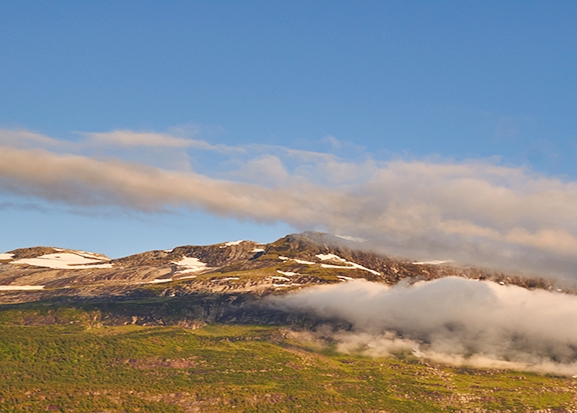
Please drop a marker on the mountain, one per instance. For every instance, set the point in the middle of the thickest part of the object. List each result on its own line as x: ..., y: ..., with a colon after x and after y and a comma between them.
x: 196, y: 329
x: 293, y: 262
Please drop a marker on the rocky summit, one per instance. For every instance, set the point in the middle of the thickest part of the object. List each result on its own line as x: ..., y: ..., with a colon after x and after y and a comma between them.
x: 293, y: 262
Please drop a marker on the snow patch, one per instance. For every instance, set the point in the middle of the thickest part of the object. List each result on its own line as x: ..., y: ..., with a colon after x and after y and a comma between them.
x: 231, y: 243
x: 190, y: 264
x: 6, y: 256
x: 350, y: 265
x: 187, y: 271
x: 92, y: 255
x: 21, y: 287
x: 343, y: 278
x: 304, y: 262
x: 287, y: 273
x: 343, y: 267
x: 258, y: 250
x: 160, y: 280
x: 280, y: 278
x: 325, y: 257
x: 66, y: 260
x: 296, y: 260
x: 226, y: 279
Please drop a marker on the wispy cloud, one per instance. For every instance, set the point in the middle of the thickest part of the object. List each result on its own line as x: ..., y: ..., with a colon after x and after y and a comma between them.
x: 130, y: 139
x: 473, y: 211
x: 22, y: 138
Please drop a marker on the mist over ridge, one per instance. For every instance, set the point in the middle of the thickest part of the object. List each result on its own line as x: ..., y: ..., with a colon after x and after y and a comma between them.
x: 454, y: 320
x: 434, y: 310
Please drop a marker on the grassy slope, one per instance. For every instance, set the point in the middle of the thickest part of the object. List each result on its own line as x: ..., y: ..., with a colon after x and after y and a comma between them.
x: 224, y: 368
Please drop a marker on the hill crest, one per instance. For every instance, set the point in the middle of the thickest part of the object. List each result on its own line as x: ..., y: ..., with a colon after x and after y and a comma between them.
x: 292, y: 262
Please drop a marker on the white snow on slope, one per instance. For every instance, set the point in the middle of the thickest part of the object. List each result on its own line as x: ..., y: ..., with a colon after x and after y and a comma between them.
x: 188, y: 271
x: 6, y: 256
x: 231, y: 243
x: 350, y: 265
x: 304, y: 262
x: 341, y: 267
x: 325, y: 257
x: 346, y: 267
x: 258, y: 250
x: 287, y: 273
x: 65, y: 260
x: 297, y: 260
x: 160, y: 280
x: 21, y: 287
x: 91, y: 255
x: 225, y: 279
x: 190, y: 264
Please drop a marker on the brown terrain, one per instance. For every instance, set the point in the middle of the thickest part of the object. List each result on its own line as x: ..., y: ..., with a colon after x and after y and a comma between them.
x: 293, y: 262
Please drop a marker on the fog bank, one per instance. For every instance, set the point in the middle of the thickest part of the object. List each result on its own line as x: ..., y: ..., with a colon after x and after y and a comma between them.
x: 452, y: 320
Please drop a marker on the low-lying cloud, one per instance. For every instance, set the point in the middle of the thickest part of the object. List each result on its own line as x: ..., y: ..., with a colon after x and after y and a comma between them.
x: 473, y: 212
x: 451, y: 320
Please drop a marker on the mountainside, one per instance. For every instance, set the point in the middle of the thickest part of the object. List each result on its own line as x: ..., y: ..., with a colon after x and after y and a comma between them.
x: 293, y: 262
x: 208, y: 329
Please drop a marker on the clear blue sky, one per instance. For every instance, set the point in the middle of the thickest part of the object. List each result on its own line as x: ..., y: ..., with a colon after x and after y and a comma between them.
x: 448, y: 82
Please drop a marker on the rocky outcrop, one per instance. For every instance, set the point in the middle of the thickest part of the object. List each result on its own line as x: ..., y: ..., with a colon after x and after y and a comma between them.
x: 292, y: 262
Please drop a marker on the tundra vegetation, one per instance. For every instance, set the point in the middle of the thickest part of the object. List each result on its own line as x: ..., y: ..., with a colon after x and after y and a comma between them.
x: 183, y: 331
x: 153, y: 355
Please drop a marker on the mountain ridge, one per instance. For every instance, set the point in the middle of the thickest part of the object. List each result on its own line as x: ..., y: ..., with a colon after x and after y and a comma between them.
x: 292, y: 262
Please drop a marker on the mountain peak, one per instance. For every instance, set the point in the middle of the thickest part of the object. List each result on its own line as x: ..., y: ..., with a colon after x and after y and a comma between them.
x: 292, y: 262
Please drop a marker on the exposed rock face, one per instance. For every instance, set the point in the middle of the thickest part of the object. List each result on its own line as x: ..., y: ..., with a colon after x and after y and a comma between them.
x: 295, y: 261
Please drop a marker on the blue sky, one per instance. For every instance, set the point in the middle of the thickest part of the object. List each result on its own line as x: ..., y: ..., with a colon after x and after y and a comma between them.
x: 328, y: 97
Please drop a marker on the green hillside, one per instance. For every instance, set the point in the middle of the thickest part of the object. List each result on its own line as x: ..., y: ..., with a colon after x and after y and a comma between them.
x: 78, y: 363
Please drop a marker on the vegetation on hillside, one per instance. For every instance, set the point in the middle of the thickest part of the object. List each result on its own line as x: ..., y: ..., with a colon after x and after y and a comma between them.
x: 75, y: 362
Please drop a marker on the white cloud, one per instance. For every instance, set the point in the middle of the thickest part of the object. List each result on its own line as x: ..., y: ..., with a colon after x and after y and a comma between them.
x: 451, y: 320
x: 473, y: 212
x: 21, y: 138
x: 128, y: 138
x: 267, y: 170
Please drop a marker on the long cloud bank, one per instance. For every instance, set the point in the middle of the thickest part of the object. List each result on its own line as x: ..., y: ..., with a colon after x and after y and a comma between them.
x: 474, y: 212
x: 450, y: 320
